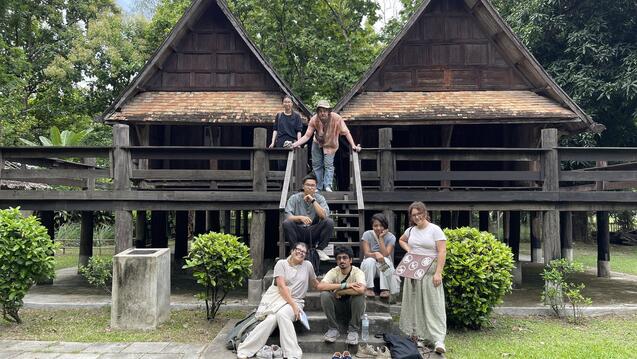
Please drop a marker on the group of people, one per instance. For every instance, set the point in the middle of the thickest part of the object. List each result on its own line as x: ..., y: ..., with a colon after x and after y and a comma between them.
x: 344, y: 288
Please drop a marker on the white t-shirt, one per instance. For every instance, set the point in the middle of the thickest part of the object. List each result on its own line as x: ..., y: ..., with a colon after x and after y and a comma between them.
x: 296, y: 277
x: 423, y: 241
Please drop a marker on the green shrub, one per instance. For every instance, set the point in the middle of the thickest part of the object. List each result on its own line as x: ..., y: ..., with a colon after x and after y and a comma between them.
x: 98, y: 272
x: 477, y: 275
x: 220, y: 263
x: 557, y: 284
x: 26, y: 256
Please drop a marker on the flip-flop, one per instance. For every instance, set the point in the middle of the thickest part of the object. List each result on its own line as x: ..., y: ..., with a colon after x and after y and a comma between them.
x: 337, y: 355
x: 384, y: 294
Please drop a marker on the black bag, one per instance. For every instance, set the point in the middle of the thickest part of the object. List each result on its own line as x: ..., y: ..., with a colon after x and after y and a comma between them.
x: 241, y: 331
x: 401, y: 347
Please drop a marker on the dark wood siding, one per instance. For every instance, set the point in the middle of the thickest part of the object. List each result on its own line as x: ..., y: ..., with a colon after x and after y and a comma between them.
x: 446, y: 50
x: 212, y: 56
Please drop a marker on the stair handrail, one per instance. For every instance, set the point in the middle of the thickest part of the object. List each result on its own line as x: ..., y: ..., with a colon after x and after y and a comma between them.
x: 286, y: 180
x: 358, y: 187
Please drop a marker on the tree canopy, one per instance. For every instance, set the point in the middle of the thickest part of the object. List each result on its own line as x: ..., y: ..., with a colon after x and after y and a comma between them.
x: 62, y: 62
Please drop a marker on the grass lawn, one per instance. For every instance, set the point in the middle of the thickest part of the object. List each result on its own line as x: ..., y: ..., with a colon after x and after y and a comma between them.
x: 70, y: 256
x: 608, y: 337
x: 622, y: 258
x: 93, y: 325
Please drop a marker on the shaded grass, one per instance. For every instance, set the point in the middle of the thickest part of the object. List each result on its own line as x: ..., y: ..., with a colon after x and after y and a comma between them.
x: 70, y: 256
x: 607, y: 337
x: 622, y: 258
x: 93, y: 325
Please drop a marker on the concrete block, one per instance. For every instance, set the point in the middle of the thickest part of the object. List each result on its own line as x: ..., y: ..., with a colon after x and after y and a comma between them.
x: 255, y: 289
x: 141, y: 288
x: 567, y: 253
x: 603, y: 269
x: 516, y: 272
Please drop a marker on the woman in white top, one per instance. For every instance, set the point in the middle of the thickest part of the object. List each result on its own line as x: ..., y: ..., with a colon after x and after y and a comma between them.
x: 423, y: 307
x: 378, y: 249
x: 292, y: 276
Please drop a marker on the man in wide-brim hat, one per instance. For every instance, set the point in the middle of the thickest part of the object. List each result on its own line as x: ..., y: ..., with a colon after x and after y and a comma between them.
x: 326, y: 126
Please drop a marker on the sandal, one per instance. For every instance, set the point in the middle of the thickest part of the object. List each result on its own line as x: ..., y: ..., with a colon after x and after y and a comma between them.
x: 337, y: 355
x: 370, y: 292
x: 384, y: 293
x: 346, y: 355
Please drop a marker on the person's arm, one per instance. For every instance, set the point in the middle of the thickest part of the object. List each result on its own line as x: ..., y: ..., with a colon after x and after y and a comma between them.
x: 352, y: 289
x: 319, y: 206
x: 308, y: 134
x: 285, y: 293
x: 289, y: 212
x: 274, y: 134
x: 323, y: 285
x: 384, y: 250
x: 298, y: 135
x: 348, y: 136
x: 441, y: 246
x: 365, y: 247
x: 402, y: 241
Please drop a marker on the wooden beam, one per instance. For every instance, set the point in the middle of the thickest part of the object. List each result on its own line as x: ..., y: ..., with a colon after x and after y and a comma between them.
x: 259, y: 160
x: 497, y: 176
x: 550, y: 219
x: 86, y: 238
x: 158, y: 229
x: 181, y: 236
x: 386, y: 164
x: 257, y: 243
x: 566, y: 234
x: 514, y: 234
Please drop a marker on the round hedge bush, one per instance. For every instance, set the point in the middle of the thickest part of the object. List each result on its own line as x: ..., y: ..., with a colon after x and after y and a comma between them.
x: 477, y: 275
x: 26, y: 256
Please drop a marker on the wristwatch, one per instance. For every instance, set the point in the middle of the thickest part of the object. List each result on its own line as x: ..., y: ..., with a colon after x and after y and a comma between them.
x: 313, y: 200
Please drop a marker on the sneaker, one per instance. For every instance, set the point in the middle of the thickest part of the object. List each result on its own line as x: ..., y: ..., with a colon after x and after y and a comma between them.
x: 328, y: 189
x: 366, y: 351
x: 346, y: 355
x: 331, y: 335
x: 277, y: 352
x: 265, y: 352
x: 440, y: 348
x: 383, y: 353
x: 352, y: 338
x: 322, y: 255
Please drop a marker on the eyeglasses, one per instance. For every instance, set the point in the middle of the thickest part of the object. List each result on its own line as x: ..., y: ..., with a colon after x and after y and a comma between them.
x: 419, y: 214
x: 300, y: 251
x: 342, y: 258
x: 310, y: 185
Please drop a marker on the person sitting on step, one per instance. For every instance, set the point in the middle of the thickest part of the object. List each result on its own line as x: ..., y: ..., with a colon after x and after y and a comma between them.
x: 308, y: 218
x: 292, y: 277
x: 378, y: 248
x: 342, y: 297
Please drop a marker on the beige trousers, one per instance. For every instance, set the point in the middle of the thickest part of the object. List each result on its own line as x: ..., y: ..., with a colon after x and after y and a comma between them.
x: 258, y: 337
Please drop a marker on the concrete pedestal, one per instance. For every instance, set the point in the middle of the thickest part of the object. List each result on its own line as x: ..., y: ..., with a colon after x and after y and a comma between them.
x: 141, y: 288
x: 255, y: 289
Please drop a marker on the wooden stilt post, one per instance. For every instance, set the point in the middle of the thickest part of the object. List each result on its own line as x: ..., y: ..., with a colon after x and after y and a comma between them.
x: 445, y: 219
x: 121, y: 179
x: 551, y: 219
x: 212, y: 221
x: 86, y: 237
x: 464, y: 218
x: 514, y: 243
x: 387, y: 170
x: 159, y: 229
x: 257, y: 227
x: 200, y: 222
x: 603, y: 245
x: 237, y: 223
x: 484, y: 221
x: 225, y: 223
x: 535, y: 224
x: 566, y: 234
x: 141, y: 229
x: 181, y: 236
x: 47, y: 218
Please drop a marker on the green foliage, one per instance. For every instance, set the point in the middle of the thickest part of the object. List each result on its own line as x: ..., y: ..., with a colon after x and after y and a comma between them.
x: 321, y: 48
x: 557, y: 284
x: 98, y: 272
x: 26, y: 255
x: 65, y: 138
x: 220, y: 263
x: 477, y: 275
x: 590, y: 49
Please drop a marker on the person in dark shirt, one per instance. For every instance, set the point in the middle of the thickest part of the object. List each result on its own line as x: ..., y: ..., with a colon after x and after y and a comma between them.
x: 287, y: 125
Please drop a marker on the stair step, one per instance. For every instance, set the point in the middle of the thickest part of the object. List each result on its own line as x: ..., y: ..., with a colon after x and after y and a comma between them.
x: 344, y: 215
x: 378, y: 322
x: 314, y: 343
x: 374, y: 305
x: 346, y: 229
x: 347, y: 244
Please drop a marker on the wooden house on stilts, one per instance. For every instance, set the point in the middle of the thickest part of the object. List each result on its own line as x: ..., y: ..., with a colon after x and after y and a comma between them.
x: 455, y: 112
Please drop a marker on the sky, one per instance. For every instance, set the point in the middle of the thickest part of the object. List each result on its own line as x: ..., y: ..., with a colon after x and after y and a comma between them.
x: 388, y: 9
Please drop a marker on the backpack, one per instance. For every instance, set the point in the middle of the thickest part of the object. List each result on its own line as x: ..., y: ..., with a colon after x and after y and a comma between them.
x: 401, y: 347
x: 314, y: 258
x: 241, y: 331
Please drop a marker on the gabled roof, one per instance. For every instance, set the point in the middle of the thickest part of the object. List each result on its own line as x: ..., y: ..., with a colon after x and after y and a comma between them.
x: 506, y: 42
x: 192, y: 14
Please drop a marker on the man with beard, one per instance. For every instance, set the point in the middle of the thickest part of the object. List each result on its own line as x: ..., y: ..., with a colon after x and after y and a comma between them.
x: 342, y: 297
x: 326, y: 126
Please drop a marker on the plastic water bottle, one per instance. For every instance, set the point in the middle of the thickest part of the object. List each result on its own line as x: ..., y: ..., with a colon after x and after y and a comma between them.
x: 365, y: 328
